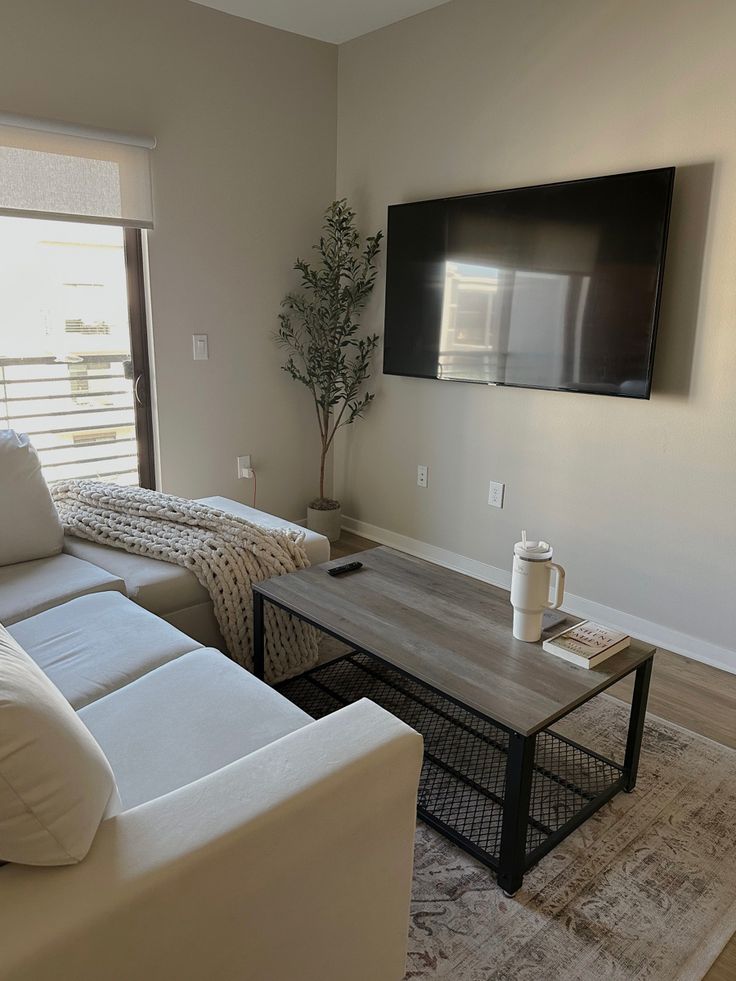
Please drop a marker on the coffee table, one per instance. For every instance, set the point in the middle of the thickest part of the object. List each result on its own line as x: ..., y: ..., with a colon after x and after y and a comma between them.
x: 435, y: 648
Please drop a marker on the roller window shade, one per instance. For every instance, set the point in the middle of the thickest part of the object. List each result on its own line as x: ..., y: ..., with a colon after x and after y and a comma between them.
x: 53, y: 170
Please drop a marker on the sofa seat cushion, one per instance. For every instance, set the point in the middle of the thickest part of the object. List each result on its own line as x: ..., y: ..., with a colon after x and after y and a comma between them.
x: 316, y: 546
x: 96, y: 644
x: 184, y: 720
x: 29, y: 525
x: 28, y: 588
x: 55, y: 783
x: 165, y: 588
x: 158, y: 586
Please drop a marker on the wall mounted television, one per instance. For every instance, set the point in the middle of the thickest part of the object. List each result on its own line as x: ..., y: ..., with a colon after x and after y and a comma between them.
x: 555, y: 287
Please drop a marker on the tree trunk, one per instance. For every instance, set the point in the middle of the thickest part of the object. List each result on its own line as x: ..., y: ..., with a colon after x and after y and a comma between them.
x: 323, y: 457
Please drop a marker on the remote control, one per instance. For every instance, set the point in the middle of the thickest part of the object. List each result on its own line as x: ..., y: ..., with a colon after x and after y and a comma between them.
x: 338, y: 570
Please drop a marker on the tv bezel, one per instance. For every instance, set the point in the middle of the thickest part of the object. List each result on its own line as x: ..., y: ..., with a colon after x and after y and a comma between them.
x: 534, y: 187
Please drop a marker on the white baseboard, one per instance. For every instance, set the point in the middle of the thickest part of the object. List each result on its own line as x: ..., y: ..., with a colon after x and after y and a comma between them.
x: 651, y: 633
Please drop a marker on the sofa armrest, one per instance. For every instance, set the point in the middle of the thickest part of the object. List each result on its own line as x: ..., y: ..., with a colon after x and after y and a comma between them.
x: 291, y: 863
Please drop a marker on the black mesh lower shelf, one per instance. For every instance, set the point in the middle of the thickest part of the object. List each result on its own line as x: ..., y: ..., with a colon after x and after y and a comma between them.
x: 463, y: 777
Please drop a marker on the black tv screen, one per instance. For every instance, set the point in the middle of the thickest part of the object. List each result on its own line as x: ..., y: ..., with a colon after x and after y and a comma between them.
x: 553, y: 287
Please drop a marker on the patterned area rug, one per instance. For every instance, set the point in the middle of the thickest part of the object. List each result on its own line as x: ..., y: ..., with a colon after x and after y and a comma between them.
x: 646, y: 889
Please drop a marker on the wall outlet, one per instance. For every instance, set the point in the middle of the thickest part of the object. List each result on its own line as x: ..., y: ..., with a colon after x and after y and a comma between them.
x: 495, y: 494
x: 244, y: 467
x: 422, y: 475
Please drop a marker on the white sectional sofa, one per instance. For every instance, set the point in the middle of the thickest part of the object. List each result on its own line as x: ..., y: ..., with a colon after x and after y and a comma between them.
x: 173, y: 592
x: 168, y: 590
x: 241, y: 839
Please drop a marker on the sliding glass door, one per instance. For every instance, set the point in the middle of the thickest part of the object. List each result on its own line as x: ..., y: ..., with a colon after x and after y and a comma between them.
x: 74, y: 371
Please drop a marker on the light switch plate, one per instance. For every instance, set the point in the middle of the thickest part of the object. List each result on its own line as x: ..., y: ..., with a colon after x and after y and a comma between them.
x: 422, y: 475
x: 200, y: 347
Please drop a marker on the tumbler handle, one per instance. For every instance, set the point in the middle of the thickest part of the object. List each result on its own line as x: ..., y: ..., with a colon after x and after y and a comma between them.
x: 559, y: 587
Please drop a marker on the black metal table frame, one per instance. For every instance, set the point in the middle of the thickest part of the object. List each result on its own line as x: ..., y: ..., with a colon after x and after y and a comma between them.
x: 513, y: 860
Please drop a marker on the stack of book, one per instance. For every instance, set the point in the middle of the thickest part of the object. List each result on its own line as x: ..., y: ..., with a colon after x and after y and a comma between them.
x: 587, y: 644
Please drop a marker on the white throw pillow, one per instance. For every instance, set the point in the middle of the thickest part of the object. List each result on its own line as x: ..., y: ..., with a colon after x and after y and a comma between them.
x: 55, y: 781
x: 29, y: 525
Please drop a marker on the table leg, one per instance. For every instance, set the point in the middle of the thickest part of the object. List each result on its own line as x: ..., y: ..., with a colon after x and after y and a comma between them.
x: 636, y: 723
x: 258, y: 636
x: 512, y: 858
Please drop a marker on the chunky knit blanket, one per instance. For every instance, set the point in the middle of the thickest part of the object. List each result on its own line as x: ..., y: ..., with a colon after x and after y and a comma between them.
x: 227, y: 554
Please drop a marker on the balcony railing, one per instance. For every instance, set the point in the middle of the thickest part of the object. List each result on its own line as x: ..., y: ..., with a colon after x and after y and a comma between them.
x: 78, y: 413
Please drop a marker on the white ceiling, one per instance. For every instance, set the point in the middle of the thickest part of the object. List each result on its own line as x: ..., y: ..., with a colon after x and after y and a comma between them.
x: 327, y: 20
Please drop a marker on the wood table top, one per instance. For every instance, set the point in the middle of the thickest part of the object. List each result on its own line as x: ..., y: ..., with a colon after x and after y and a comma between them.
x: 450, y: 631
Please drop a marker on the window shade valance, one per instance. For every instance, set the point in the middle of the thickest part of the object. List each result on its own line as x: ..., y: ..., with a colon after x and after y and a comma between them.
x: 55, y: 170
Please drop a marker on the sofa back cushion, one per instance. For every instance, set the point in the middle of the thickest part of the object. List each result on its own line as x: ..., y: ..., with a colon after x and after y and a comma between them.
x: 55, y: 781
x: 29, y: 525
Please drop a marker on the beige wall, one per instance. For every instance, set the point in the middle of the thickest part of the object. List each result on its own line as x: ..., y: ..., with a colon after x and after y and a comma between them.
x: 639, y: 498
x: 245, y: 120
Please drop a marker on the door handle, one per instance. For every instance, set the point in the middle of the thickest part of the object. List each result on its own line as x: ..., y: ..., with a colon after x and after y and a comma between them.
x: 139, y: 381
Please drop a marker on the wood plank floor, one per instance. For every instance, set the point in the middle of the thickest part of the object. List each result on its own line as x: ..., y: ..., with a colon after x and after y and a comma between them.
x: 690, y: 694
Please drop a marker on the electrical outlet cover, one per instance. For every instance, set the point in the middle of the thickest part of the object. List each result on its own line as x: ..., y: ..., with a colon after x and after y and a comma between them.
x: 495, y: 494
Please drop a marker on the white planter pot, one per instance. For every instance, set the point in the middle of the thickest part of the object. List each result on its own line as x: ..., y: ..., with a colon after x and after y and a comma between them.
x: 327, y: 523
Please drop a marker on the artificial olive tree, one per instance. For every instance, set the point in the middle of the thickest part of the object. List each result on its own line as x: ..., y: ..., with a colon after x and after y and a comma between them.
x: 319, y: 328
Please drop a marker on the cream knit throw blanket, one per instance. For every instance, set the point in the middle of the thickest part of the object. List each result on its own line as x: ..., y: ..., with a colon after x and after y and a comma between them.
x: 226, y: 554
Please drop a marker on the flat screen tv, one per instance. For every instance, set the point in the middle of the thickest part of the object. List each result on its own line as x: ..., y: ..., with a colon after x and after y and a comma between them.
x: 555, y: 287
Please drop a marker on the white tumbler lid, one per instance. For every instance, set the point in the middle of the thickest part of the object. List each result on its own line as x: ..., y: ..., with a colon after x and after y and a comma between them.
x: 533, y: 551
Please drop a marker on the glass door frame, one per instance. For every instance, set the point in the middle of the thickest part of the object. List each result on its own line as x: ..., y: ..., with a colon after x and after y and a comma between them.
x: 140, y: 357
